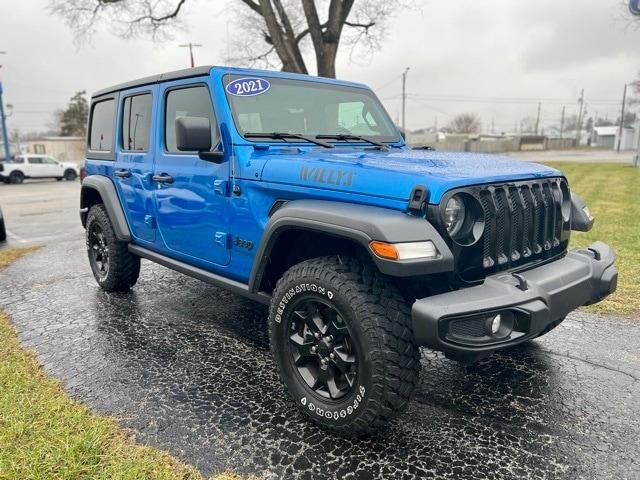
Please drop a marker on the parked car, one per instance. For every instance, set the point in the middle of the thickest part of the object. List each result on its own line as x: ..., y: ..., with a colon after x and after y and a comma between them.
x: 37, y: 166
x: 299, y: 192
x: 3, y: 229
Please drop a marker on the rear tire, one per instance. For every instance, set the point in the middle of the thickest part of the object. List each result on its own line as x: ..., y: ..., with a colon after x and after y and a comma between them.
x: 16, y: 178
x: 70, y: 175
x: 3, y: 230
x: 113, y: 266
x: 361, y: 327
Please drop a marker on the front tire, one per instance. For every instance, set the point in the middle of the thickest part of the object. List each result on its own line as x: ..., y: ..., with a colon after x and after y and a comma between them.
x: 3, y: 230
x: 113, y: 266
x: 342, y: 339
x: 16, y: 178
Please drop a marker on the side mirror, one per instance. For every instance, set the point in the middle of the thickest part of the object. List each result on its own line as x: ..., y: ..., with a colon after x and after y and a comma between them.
x: 194, y: 134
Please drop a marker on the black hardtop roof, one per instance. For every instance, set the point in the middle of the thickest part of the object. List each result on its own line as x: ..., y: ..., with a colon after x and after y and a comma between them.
x: 175, y: 75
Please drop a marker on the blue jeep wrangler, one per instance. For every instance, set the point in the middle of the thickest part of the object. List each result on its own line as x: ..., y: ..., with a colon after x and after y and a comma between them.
x: 300, y: 193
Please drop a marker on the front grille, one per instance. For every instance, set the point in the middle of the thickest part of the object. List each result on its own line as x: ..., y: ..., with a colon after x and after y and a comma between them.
x: 523, y: 223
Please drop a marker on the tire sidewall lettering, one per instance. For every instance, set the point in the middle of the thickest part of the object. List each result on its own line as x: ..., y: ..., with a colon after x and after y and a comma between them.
x: 298, y: 289
x: 353, y: 404
x: 338, y: 413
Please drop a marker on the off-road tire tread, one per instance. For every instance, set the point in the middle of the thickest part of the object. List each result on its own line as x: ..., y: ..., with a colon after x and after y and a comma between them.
x: 386, y: 320
x: 124, y: 267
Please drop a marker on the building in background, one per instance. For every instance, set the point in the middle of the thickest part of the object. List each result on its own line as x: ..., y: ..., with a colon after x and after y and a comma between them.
x: 604, y: 137
x: 67, y: 149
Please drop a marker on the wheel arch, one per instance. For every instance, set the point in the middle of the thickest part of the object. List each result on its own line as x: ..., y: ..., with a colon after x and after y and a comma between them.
x: 100, y: 189
x: 304, y: 229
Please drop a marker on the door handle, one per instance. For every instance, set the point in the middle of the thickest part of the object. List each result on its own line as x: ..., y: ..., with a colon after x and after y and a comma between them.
x: 164, y: 178
x: 124, y: 173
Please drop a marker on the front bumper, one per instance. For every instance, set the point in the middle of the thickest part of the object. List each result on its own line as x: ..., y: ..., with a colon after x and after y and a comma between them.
x: 529, y: 302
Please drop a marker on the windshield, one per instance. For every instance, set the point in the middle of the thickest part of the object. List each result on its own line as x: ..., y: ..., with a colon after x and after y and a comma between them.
x: 267, y: 104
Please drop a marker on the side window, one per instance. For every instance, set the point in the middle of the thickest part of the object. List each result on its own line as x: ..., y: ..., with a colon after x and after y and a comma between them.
x: 35, y: 160
x: 18, y: 160
x: 49, y: 161
x: 136, y: 122
x: 101, y: 135
x: 187, y: 102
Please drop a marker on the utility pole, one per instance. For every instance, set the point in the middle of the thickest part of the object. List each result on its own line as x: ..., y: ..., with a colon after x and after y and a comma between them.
x: 538, y: 117
x: 191, y: 46
x: 624, y: 101
x: 404, y: 98
x: 3, y: 124
x: 562, y: 122
x: 579, y: 126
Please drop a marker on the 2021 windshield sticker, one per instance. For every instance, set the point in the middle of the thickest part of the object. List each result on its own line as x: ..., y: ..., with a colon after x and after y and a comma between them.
x: 248, y: 86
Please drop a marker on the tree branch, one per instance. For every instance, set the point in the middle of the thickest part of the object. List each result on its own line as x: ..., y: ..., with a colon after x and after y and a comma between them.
x: 253, y: 6
x: 151, y: 17
x: 366, y: 26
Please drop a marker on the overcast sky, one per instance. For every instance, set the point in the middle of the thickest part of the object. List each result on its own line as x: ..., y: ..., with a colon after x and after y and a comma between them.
x: 492, y: 57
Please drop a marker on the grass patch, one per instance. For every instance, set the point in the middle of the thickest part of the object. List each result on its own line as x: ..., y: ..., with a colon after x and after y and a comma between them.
x: 44, y: 434
x: 612, y: 192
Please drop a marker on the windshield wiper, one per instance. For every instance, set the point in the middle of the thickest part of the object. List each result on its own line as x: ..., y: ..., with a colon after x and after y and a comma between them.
x: 346, y: 136
x: 285, y: 135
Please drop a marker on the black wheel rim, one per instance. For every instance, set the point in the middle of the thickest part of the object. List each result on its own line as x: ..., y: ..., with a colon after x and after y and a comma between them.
x: 321, y: 349
x: 99, y: 250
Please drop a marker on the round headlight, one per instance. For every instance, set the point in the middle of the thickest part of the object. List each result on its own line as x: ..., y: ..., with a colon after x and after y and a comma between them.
x: 454, y: 213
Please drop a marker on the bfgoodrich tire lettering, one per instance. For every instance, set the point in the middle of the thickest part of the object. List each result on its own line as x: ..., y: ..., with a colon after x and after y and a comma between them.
x: 379, y: 325
x: 113, y: 266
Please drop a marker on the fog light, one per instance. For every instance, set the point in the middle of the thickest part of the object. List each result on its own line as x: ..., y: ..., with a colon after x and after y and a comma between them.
x: 495, y: 324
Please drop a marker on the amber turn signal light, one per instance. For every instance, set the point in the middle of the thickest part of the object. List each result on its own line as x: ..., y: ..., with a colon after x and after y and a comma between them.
x: 385, y: 250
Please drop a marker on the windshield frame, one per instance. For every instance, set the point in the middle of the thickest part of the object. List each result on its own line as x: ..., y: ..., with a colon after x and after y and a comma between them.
x: 228, y: 77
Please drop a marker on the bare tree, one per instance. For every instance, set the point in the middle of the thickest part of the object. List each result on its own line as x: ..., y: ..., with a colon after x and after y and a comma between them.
x: 284, y: 30
x: 465, y: 123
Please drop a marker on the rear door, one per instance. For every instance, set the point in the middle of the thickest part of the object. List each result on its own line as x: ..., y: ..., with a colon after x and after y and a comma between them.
x: 133, y: 167
x: 34, y: 167
x: 191, y: 193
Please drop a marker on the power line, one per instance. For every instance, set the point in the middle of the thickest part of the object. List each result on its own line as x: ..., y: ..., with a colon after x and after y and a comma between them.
x: 493, y: 99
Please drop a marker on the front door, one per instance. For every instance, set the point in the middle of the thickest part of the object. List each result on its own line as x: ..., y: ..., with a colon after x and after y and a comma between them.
x: 133, y: 168
x: 51, y: 167
x: 191, y: 193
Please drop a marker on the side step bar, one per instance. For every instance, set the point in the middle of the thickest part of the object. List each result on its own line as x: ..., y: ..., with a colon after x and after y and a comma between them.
x: 200, y: 274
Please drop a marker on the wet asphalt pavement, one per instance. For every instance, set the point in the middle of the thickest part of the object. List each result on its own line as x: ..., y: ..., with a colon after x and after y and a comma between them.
x: 187, y: 366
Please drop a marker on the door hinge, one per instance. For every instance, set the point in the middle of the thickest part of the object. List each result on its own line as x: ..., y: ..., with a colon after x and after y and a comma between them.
x: 222, y: 240
x: 221, y: 187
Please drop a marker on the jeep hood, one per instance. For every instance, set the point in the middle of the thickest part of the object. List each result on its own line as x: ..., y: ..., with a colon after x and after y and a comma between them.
x: 393, y: 174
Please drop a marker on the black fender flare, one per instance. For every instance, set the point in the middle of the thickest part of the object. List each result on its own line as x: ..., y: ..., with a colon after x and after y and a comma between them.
x: 107, y: 191
x: 359, y: 223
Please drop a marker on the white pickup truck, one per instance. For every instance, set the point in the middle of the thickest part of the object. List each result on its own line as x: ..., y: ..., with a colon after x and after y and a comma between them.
x: 37, y: 166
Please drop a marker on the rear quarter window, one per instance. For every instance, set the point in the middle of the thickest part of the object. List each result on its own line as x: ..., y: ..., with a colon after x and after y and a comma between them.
x: 101, y: 126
